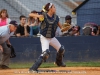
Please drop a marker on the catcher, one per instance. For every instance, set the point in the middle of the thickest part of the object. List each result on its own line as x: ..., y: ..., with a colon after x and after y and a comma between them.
x: 49, y: 23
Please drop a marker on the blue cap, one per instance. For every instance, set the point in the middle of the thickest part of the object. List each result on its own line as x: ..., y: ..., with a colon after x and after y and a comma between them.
x: 13, y: 22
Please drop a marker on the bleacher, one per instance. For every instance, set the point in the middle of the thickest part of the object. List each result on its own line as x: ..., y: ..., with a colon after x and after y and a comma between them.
x: 37, y: 5
x: 13, y: 13
x: 18, y: 7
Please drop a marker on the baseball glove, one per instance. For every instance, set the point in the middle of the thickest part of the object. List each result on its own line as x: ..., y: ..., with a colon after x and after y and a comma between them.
x: 13, y: 54
x: 65, y: 27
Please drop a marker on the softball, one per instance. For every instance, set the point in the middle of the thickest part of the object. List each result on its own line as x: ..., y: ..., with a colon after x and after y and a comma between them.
x: 41, y: 19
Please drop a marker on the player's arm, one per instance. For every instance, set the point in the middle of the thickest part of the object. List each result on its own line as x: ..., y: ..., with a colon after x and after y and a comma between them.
x: 36, y: 15
x: 59, y: 24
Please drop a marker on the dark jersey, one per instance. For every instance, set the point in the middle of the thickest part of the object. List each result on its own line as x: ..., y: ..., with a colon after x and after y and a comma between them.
x: 49, y: 25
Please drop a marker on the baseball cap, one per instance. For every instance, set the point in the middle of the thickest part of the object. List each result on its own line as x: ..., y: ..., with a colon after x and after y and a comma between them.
x: 68, y: 17
x: 13, y: 22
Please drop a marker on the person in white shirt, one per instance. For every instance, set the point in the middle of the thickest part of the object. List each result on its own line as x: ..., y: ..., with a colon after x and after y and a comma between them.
x: 68, y: 19
x: 5, y: 33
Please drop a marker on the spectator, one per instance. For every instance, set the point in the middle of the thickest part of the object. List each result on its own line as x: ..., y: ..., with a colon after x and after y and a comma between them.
x: 4, y: 18
x: 23, y: 29
x: 34, y: 25
x: 5, y: 33
x: 90, y: 29
x: 68, y: 19
x: 74, y: 30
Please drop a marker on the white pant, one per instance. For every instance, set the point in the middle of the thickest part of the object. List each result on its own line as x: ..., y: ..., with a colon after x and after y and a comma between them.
x: 52, y: 41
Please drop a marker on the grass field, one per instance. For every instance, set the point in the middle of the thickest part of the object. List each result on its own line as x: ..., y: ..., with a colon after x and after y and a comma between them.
x: 75, y: 68
x: 49, y: 65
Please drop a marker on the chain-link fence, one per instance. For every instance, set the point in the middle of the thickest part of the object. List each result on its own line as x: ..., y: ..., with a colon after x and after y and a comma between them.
x: 16, y: 8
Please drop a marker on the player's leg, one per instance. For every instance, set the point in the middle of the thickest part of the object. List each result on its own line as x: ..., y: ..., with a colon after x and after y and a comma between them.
x: 45, y: 54
x: 60, y: 52
x: 6, y: 56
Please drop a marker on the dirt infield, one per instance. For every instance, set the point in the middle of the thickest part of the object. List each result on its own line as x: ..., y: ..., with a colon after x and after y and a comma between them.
x: 71, y: 71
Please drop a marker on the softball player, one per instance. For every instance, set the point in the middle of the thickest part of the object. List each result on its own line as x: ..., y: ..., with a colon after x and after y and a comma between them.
x: 49, y: 23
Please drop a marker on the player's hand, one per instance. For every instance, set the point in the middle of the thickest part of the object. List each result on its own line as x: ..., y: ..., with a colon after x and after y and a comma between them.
x: 1, y: 48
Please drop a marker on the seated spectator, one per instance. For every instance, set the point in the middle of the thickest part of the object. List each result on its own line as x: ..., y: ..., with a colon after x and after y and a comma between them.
x: 4, y: 18
x: 90, y: 29
x: 74, y: 31
x: 23, y: 29
x: 68, y: 19
x: 33, y: 24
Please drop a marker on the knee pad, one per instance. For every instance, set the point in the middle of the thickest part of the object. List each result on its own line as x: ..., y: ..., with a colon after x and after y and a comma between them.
x: 61, y: 50
x: 46, y: 54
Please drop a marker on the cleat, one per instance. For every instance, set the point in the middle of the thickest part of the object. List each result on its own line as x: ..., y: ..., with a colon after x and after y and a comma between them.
x: 33, y: 71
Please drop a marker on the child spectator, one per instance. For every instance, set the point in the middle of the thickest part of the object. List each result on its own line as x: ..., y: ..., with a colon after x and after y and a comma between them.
x: 23, y: 29
x: 4, y: 18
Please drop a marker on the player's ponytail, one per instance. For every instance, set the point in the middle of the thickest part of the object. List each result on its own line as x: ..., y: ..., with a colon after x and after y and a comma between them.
x: 47, y: 7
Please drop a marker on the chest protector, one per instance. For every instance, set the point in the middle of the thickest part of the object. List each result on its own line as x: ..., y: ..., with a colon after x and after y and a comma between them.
x: 48, y: 27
